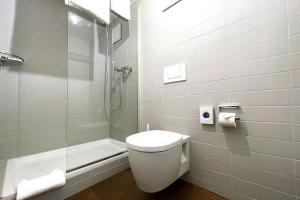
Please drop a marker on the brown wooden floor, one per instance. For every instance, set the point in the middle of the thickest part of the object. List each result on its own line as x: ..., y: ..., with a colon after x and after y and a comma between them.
x: 123, y: 187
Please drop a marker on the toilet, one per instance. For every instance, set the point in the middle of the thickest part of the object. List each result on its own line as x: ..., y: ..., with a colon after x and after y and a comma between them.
x: 158, y: 158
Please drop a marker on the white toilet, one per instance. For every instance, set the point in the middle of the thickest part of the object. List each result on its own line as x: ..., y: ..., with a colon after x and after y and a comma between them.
x: 157, y: 158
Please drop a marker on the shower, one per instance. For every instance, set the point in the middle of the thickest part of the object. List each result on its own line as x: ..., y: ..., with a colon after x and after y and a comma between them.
x: 70, y: 113
x: 116, y: 83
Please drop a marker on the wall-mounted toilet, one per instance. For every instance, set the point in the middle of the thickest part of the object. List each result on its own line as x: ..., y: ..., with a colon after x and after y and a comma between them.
x: 157, y: 158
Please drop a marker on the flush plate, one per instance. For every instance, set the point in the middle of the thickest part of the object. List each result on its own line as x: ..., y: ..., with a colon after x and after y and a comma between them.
x: 175, y: 73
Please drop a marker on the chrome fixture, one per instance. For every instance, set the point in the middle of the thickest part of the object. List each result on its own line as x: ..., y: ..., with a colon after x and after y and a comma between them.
x: 124, y: 69
x: 229, y: 106
x: 10, y: 59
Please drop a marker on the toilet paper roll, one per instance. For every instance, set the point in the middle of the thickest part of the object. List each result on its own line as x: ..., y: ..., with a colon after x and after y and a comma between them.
x: 227, y: 119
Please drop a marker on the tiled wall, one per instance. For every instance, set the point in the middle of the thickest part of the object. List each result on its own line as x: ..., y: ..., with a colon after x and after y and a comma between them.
x: 86, y: 119
x: 124, y: 121
x: 244, y: 51
x: 33, y: 96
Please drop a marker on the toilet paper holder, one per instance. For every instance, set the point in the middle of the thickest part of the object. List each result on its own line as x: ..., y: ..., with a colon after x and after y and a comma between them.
x: 229, y: 106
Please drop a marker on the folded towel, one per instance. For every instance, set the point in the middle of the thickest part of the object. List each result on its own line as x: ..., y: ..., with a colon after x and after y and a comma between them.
x: 121, y: 7
x: 98, y: 8
x: 30, y: 188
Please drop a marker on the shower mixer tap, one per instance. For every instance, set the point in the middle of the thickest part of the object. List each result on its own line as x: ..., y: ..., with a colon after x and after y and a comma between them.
x: 124, y: 69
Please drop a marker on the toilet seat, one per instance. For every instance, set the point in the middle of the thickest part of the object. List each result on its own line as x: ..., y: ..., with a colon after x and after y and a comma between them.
x: 153, y: 141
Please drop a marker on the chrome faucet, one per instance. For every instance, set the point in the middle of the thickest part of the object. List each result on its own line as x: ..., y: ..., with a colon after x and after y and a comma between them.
x: 124, y: 69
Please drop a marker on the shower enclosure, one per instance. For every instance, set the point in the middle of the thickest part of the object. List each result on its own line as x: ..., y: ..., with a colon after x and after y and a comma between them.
x: 73, y: 101
x: 102, y: 88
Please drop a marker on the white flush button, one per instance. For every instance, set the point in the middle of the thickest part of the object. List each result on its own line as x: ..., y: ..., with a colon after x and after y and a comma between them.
x: 174, y: 73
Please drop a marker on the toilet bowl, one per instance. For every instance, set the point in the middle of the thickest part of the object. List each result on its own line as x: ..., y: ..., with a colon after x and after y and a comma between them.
x: 158, y: 158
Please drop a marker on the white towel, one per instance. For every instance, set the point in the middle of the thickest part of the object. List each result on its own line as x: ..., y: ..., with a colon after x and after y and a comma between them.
x: 121, y: 7
x: 30, y: 188
x: 99, y: 8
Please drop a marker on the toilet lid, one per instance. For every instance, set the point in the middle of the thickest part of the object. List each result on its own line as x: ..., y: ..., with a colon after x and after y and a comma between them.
x: 153, y: 141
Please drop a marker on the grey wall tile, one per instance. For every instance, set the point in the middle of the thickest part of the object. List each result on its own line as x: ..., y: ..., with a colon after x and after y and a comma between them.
x: 294, y: 25
x: 210, y: 163
x: 262, y: 19
x: 254, y: 63
x: 262, y: 98
x: 262, y: 129
x: 211, y: 176
x: 265, y: 66
x: 297, y: 164
x: 261, y: 145
x: 296, y: 131
x: 265, y: 178
x: 213, y: 87
x: 260, y: 51
x: 210, y: 138
x: 273, y: 114
x: 240, y: 10
x: 295, y: 97
x: 225, y: 192
x: 293, y: 8
x: 263, y: 161
x: 257, y: 191
x: 209, y: 75
x: 267, y: 33
x: 297, y: 150
x: 296, y: 115
x: 260, y: 82
x: 171, y: 91
x: 294, y: 43
x: 210, y: 150
x: 219, y: 60
x: 295, y: 78
x: 295, y: 60
x: 298, y: 187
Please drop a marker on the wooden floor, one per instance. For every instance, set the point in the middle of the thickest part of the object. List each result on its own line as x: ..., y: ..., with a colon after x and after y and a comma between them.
x: 123, y: 187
